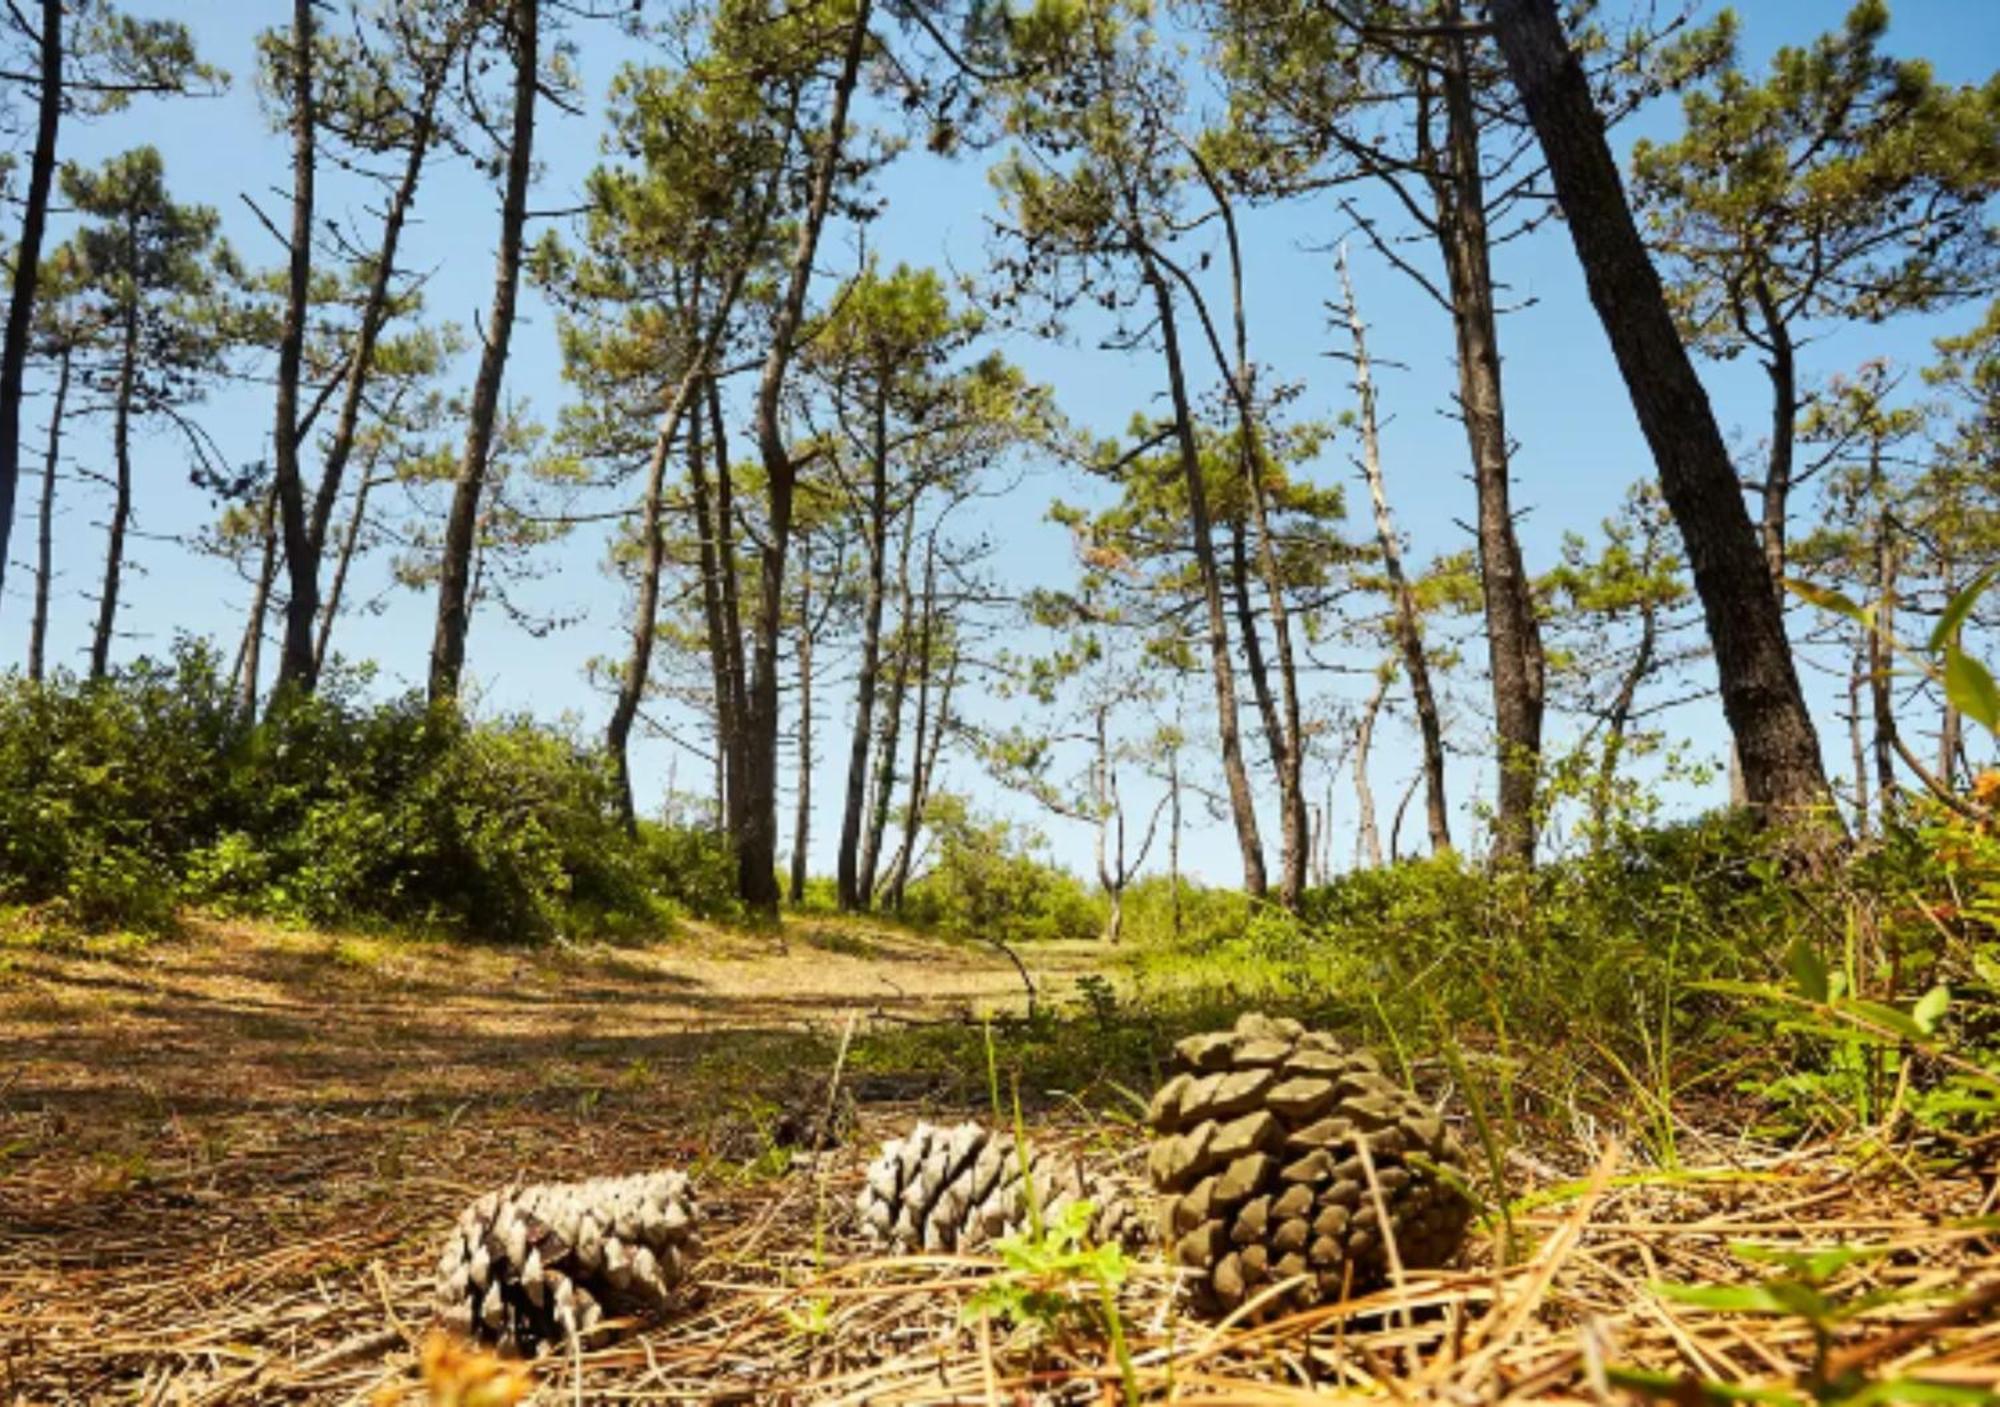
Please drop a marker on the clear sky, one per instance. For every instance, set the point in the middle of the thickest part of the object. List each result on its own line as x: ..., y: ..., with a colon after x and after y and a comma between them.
x: 1578, y: 446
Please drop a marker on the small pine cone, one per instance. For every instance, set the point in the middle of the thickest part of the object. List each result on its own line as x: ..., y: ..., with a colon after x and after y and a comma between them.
x: 954, y: 1189
x: 532, y: 1266
x: 1257, y: 1148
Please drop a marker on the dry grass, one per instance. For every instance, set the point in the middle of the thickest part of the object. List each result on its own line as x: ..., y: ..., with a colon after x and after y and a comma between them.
x: 225, y: 1165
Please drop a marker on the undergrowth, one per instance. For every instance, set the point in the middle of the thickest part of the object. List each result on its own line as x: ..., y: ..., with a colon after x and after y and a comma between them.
x: 124, y: 800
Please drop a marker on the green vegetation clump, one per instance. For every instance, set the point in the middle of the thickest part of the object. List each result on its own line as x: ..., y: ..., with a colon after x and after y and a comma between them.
x: 123, y: 799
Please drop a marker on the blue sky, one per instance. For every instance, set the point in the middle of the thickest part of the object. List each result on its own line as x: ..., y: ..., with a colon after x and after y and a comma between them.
x: 1578, y: 445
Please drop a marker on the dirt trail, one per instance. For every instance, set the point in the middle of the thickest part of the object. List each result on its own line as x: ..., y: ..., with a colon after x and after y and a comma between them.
x: 202, y: 1140
x: 264, y: 1015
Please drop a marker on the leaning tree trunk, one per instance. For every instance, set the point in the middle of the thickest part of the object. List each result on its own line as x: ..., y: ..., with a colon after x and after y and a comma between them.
x: 1761, y: 696
x: 454, y: 612
x: 301, y: 564
x: 1512, y: 632
x: 1409, y: 631
x: 121, y: 503
x: 38, y: 627
x: 28, y: 266
x: 756, y: 832
x: 1222, y: 671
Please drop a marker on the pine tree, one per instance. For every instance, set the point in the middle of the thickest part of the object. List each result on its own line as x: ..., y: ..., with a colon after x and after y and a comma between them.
x: 1847, y: 185
x: 157, y: 276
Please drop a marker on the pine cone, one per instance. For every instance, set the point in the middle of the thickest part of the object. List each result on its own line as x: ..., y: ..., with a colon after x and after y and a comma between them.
x: 531, y: 1266
x: 1257, y: 1146
x: 939, y: 1189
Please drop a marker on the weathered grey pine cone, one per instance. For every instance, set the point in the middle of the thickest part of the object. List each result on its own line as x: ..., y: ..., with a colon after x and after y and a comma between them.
x: 1257, y: 1150
x: 533, y: 1266
x: 954, y: 1189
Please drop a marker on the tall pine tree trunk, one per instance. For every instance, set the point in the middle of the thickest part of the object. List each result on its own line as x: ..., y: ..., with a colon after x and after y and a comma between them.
x: 686, y: 398
x: 1512, y: 633
x: 304, y: 616
x: 1775, y: 496
x: 756, y: 831
x: 1367, y: 831
x: 121, y: 503
x: 1408, y: 627
x: 27, y: 254
x: 45, y: 567
x: 802, y: 813
x: 867, y: 670
x: 301, y: 565
x: 250, y: 656
x: 884, y: 785
x: 350, y: 541
x: 455, y: 592
x: 1881, y: 664
x: 1222, y: 671
x: 1766, y: 708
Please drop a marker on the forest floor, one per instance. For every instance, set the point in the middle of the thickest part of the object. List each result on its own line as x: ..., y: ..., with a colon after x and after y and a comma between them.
x: 227, y: 1159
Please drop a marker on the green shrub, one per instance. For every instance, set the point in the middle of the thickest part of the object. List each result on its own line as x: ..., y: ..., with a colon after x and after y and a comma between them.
x: 121, y: 798
x: 990, y: 879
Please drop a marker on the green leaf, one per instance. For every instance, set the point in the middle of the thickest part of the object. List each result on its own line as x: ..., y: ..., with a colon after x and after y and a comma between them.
x: 1958, y: 608
x: 1970, y: 687
x: 1808, y: 970
x: 1827, y: 599
x: 1931, y: 1007
x: 1916, y: 1390
x: 1729, y: 1299
x: 1885, y: 1017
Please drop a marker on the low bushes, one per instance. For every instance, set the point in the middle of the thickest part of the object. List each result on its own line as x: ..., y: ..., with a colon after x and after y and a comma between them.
x: 123, y: 799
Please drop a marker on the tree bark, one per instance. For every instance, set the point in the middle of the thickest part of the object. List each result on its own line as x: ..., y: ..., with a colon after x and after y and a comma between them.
x: 38, y: 627
x: 1512, y: 632
x: 301, y: 564
x: 1287, y: 731
x: 1766, y: 708
x: 756, y: 832
x: 802, y: 815
x: 1242, y: 804
x: 28, y: 266
x: 1367, y: 833
x: 121, y: 504
x: 461, y: 526
x: 884, y: 785
x: 1857, y: 679
x: 925, y: 759
x: 1775, y: 497
x: 350, y: 540
x: 868, y: 670
x: 922, y: 743
x: 1407, y: 625
x: 646, y: 612
x: 249, y: 659
x: 1881, y: 662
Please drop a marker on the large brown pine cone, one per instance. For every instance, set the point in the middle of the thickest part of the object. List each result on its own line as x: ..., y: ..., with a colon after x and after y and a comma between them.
x: 1257, y: 1150
x: 532, y: 1266
x: 953, y: 1189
